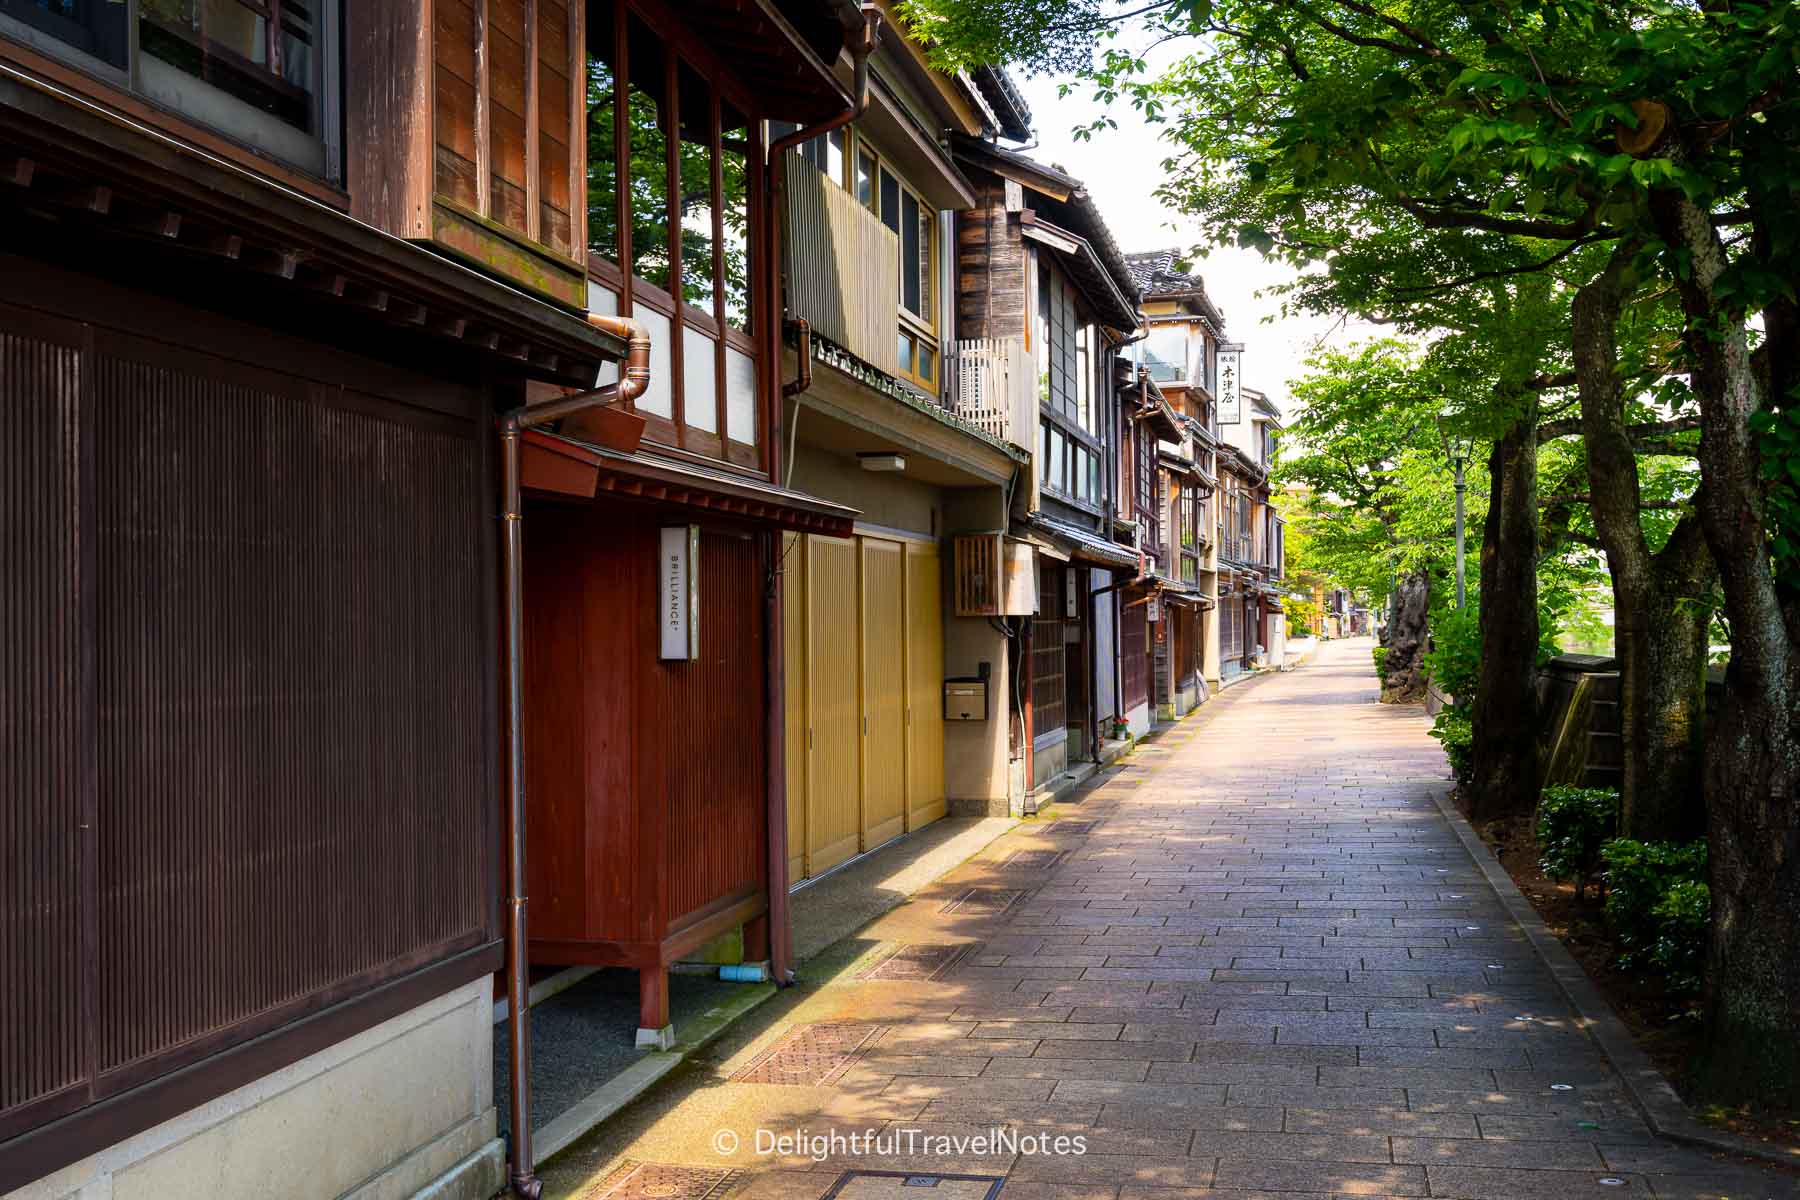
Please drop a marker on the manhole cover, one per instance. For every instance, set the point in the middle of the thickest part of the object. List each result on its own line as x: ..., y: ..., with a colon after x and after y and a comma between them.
x: 983, y: 901
x: 1037, y: 860
x: 918, y: 962
x: 1072, y: 826
x: 661, y: 1181
x: 895, y: 1185
x: 809, y: 1055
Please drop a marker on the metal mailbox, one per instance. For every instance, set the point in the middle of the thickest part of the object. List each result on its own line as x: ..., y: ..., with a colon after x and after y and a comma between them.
x: 966, y: 699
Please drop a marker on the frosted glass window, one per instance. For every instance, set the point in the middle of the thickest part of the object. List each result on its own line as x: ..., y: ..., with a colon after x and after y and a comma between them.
x: 699, y: 386
x: 605, y: 301
x: 740, y: 396
x: 658, y: 398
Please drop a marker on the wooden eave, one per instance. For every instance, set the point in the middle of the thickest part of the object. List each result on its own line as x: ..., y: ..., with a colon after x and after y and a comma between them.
x: 105, y: 176
x: 767, y: 53
x: 916, y: 62
x: 1084, y: 266
x: 896, y: 133
x: 552, y: 465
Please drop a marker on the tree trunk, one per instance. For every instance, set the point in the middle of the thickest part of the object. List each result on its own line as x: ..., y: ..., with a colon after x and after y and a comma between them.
x: 1752, y: 778
x: 1407, y: 632
x: 1504, y: 753
x: 1660, y: 620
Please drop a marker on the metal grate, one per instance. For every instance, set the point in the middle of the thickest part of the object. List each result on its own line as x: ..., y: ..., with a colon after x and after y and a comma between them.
x: 918, y: 962
x: 663, y: 1181
x: 983, y: 901
x: 810, y: 1055
x: 897, y: 1185
x: 1036, y: 860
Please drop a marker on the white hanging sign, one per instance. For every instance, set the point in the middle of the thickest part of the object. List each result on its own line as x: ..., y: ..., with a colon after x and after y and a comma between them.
x: 1153, y: 610
x: 1231, y: 395
x: 678, y: 588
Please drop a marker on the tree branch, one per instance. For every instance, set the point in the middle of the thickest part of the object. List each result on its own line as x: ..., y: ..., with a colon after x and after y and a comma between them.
x: 1433, y: 217
x: 1648, y: 431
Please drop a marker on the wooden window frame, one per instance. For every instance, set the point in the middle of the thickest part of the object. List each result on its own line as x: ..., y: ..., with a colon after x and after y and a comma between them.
x: 1067, y: 489
x: 33, y: 43
x: 674, y: 433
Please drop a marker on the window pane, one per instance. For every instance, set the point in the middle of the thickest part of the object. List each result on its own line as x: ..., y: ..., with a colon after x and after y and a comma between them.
x: 1094, y: 477
x: 740, y: 396
x: 656, y: 399
x: 648, y: 176
x: 865, y: 178
x: 602, y: 299
x: 1043, y: 330
x: 1084, y: 379
x: 1057, y: 478
x: 231, y: 46
x: 833, y: 164
x: 602, y: 164
x: 890, y: 200
x: 734, y: 155
x: 696, y: 190
x: 699, y: 381
x: 909, y: 253
x: 927, y: 265
x: 1165, y: 353
x: 927, y: 363
x: 96, y: 29
x: 906, y: 354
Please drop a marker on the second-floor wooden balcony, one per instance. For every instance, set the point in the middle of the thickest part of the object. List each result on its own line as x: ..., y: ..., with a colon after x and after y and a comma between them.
x: 843, y: 267
x: 993, y: 386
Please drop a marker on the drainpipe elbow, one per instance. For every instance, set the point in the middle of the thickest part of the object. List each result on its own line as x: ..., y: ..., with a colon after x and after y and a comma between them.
x: 634, y: 376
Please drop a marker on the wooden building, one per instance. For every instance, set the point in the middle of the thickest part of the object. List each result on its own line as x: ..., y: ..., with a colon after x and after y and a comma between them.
x: 1044, y: 295
x: 872, y: 630
x: 273, y: 275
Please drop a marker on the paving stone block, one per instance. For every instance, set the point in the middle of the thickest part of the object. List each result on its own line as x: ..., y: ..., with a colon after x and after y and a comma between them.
x: 1502, y: 1183
x: 1561, y: 1155
x: 1364, y: 1179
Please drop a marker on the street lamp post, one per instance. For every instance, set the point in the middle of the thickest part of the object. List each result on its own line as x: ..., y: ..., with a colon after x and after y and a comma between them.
x: 1457, y: 451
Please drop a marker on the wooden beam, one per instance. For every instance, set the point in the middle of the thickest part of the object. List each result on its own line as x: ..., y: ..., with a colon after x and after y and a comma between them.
x: 330, y: 283
x: 407, y: 313
x: 17, y: 170
x: 450, y: 327
x: 372, y: 298
x: 283, y: 264
x: 485, y: 339
x: 156, y: 223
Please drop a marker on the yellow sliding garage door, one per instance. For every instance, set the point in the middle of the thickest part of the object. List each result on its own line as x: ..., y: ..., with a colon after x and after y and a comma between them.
x: 834, y: 719
x: 863, y: 623
x: 883, y: 691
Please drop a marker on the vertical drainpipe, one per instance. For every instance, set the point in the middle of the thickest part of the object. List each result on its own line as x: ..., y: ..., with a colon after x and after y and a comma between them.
x: 775, y: 654
x: 633, y: 379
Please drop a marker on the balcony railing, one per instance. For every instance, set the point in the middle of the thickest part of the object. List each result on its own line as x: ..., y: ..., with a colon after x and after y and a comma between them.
x: 993, y: 386
x: 843, y: 267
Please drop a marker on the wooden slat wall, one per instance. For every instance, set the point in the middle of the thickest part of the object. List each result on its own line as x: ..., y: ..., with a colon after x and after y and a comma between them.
x: 707, y: 712
x: 1134, y: 661
x: 290, y: 655
x: 282, y: 763
x: 843, y: 267
x: 41, y: 1004
x: 990, y: 268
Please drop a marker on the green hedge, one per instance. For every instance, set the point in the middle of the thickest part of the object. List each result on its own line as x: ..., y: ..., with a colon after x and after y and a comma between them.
x: 1456, y: 732
x: 1572, y: 826
x: 1658, y: 907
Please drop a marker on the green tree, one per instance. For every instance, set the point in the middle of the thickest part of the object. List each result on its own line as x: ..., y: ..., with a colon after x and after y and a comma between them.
x: 1580, y: 130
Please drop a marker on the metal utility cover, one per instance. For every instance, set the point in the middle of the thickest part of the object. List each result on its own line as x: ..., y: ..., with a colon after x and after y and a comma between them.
x: 893, y: 1185
x: 663, y: 1181
x: 983, y: 902
x: 810, y: 1055
x: 918, y: 962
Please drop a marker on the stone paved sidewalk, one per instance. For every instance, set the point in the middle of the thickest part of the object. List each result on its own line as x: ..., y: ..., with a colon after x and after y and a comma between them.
x: 1255, y: 962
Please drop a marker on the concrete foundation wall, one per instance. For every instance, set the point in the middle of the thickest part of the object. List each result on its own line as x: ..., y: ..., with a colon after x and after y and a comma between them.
x: 1139, y: 720
x: 399, y: 1109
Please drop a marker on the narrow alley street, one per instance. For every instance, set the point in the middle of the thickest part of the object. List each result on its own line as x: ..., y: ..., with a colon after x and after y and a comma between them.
x: 1256, y: 960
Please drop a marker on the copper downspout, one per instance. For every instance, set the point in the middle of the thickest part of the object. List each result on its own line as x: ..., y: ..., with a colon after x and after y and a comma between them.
x: 780, y: 935
x: 633, y: 380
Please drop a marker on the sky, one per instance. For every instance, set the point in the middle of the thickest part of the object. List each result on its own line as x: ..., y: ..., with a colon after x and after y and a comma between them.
x: 1121, y: 171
